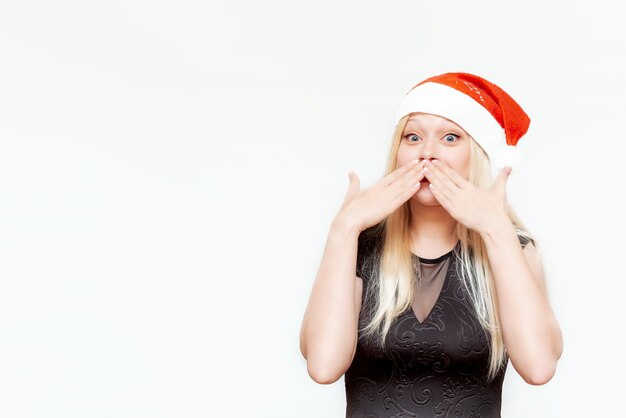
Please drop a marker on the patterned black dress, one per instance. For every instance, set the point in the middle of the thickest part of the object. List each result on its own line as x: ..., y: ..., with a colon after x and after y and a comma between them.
x: 436, y: 367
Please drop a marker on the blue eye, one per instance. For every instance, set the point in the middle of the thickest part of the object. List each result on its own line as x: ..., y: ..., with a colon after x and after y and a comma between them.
x: 455, y: 136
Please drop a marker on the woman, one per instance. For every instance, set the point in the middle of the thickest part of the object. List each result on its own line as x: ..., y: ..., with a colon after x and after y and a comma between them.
x: 429, y: 282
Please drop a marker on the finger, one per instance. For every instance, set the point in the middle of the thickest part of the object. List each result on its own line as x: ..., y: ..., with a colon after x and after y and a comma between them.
x: 399, y: 172
x: 501, y: 180
x: 456, y: 178
x: 353, y: 187
x: 401, y: 195
x: 441, y: 197
x: 355, y: 182
x: 410, y: 181
x: 405, y: 186
x: 441, y: 181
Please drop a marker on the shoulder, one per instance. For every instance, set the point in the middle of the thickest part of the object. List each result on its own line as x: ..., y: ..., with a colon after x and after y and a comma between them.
x: 534, y: 260
x: 369, y: 244
x: 370, y: 238
x: 525, y: 240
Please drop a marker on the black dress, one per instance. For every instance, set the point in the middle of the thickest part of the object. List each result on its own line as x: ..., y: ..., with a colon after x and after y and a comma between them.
x: 435, y: 367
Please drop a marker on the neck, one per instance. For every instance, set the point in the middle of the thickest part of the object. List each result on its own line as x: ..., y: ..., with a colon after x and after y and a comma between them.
x: 432, y: 229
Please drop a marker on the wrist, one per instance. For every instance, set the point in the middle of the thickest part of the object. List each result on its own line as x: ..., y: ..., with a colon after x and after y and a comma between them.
x: 344, y: 226
x: 496, y: 226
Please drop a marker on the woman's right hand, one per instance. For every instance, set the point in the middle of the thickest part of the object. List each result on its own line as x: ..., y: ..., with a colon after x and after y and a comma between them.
x: 364, y: 208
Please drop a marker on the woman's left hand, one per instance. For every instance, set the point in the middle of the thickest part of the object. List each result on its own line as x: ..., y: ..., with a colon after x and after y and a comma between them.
x: 476, y: 208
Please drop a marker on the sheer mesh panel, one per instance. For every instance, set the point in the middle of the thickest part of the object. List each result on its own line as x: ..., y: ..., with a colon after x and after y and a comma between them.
x: 428, y: 289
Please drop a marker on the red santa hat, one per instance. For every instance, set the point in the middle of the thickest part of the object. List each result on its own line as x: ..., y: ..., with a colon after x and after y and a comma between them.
x: 482, y: 109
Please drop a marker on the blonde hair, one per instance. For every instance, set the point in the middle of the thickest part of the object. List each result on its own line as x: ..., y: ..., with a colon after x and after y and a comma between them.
x: 392, y: 277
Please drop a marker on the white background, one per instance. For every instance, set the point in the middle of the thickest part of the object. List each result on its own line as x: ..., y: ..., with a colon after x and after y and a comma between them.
x: 168, y: 172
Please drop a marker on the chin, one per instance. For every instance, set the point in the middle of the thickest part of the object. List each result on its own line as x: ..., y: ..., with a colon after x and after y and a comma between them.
x: 425, y: 197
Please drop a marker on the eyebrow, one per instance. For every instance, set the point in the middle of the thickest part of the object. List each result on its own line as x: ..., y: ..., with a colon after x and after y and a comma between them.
x: 445, y: 128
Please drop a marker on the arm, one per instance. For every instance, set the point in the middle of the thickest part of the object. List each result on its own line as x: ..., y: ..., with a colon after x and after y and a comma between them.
x: 329, y: 333
x: 530, y: 330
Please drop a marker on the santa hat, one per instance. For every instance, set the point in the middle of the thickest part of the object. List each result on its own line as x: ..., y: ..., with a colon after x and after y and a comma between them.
x: 482, y: 109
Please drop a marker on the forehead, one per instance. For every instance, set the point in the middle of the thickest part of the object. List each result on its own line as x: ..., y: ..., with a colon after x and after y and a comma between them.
x: 430, y: 120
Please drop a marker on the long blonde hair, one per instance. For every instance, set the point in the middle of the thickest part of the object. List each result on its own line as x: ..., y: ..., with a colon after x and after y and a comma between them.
x: 392, y: 285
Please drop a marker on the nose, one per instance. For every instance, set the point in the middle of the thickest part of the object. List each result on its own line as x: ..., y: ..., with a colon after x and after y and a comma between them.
x: 428, y: 151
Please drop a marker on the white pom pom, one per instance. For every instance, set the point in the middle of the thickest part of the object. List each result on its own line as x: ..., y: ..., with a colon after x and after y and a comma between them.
x: 511, y: 156
x: 506, y: 156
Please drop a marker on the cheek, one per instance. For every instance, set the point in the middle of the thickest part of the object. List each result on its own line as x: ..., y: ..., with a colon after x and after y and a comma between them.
x: 461, y: 166
x: 403, y: 158
x: 461, y: 163
x: 464, y: 169
x: 401, y: 162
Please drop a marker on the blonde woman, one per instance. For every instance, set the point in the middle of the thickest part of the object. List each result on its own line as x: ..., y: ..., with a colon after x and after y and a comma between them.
x: 430, y: 283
